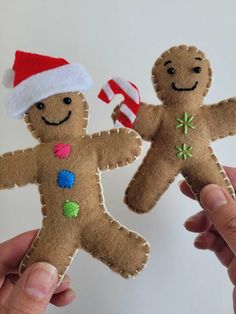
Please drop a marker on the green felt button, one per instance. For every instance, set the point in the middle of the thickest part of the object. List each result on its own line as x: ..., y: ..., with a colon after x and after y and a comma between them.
x: 70, y: 209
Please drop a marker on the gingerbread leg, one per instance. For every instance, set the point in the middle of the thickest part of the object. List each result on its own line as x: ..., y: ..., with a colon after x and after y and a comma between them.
x: 197, y: 177
x: 151, y: 180
x: 55, y: 244
x: 125, y: 252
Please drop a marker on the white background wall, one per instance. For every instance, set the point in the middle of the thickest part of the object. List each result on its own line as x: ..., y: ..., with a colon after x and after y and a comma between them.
x: 124, y: 38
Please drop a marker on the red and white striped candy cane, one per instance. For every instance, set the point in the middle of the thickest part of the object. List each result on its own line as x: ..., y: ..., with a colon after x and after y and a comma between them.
x: 131, y: 103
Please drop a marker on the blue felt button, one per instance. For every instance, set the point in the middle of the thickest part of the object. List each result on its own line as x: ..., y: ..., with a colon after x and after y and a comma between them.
x: 65, y: 179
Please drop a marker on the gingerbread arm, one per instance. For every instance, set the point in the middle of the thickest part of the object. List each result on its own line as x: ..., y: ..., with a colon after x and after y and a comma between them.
x: 147, y: 120
x: 221, y: 118
x: 18, y: 168
x: 116, y: 148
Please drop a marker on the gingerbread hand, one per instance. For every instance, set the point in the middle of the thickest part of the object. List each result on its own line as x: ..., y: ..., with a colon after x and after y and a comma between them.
x: 221, y: 118
x: 131, y: 111
x: 18, y: 168
x: 66, y: 167
x: 123, y: 146
x: 149, y: 113
x: 181, y: 130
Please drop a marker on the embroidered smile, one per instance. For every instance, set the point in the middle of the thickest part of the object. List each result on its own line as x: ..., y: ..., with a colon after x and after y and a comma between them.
x: 186, y: 89
x: 57, y: 123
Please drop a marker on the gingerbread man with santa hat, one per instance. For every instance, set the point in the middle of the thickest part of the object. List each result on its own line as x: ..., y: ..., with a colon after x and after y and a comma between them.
x: 66, y: 165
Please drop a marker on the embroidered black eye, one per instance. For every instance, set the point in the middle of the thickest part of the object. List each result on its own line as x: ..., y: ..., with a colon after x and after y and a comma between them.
x: 40, y: 105
x: 67, y: 100
x: 197, y: 69
x: 171, y: 71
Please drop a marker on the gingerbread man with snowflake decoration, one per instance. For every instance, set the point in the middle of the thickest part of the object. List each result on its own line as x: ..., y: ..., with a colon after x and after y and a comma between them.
x: 66, y: 166
x: 180, y: 130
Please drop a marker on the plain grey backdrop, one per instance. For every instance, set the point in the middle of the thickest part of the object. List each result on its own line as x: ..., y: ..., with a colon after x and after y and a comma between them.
x: 123, y: 38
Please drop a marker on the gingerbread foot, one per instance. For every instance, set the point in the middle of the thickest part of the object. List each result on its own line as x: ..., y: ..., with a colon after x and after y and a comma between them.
x: 215, y: 174
x: 122, y: 250
x: 151, y: 180
x: 53, y: 244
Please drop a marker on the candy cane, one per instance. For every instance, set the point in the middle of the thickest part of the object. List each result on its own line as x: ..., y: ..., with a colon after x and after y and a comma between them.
x: 131, y: 103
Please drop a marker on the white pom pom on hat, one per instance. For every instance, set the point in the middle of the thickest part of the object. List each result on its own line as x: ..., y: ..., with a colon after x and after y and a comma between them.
x: 35, y: 77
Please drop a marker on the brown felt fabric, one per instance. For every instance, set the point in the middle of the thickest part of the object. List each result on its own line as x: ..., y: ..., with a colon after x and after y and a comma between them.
x: 181, y: 92
x: 93, y: 229
x: 221, y: 118
x: 24, y: 171
x: 152, y: 178
x: 148, y: 113
x: 114, y: 245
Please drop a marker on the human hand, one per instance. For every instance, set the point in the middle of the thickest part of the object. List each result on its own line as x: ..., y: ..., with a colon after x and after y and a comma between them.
x: 31, y: 293
x: 216, y: 224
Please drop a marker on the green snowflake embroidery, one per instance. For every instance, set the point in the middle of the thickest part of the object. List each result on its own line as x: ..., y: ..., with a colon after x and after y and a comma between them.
x: 184, y: 151
x: 185, y: 123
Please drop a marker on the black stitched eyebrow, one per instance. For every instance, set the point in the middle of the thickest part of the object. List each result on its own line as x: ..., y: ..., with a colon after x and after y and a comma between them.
x: 167, y: 62
x: 198, y: 58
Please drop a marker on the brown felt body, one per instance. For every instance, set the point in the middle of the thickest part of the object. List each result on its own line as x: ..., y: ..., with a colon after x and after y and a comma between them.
x: 158, y: 124
x: 93, y: 230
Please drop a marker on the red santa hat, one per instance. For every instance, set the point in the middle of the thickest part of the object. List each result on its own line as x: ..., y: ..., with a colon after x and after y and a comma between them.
x: 35, y: 77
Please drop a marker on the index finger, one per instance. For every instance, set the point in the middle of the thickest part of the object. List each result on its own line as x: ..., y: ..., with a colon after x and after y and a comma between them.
x: 13, y: 250
x: 221, y: 210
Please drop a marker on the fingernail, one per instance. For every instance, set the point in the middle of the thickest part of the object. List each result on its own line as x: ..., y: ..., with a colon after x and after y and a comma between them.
x: 212, y: 197
x: 199, y: 240
x: 188, y: 222
x: 41, y: 279
x: 180, y: 182
x: 70, y: 295
x: 66, y: 279
x: 193, y: 219
x: 65, y: 284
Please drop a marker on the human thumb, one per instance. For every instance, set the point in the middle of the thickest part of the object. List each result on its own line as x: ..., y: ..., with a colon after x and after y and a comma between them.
x: 221, y: 210
x: 33, y: 290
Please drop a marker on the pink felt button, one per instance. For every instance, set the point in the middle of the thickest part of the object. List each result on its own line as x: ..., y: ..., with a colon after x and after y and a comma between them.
x: 62, y: 150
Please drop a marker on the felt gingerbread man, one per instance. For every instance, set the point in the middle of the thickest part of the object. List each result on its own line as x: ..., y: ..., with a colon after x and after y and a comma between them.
x: 180, y: 130
x: 66, y: 166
